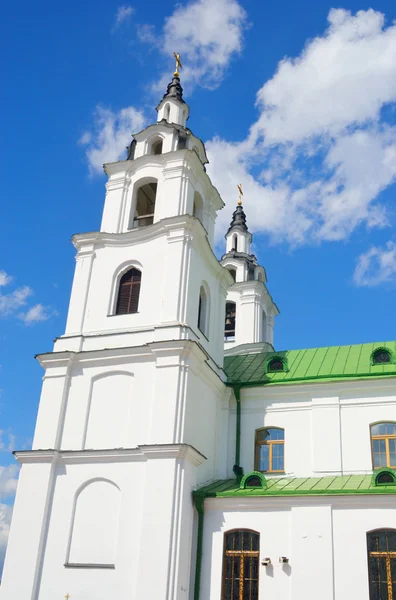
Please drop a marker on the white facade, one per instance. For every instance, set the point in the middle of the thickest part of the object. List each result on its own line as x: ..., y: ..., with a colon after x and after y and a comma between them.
x: 136, y: 412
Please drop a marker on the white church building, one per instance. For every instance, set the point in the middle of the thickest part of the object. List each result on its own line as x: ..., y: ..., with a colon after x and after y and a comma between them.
x: 177, y: 455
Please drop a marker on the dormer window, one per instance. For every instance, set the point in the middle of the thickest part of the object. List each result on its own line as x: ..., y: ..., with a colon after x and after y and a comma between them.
x: 381, y: 356
x: 275, y: 365
x: 145, y: 205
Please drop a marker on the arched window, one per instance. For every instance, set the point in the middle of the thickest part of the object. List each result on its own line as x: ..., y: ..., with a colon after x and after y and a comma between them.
x: 241, y: 565
x: 198, y: 207
x: 128, y: 292
x: 145, y: 205
x: 156, y: 147
x: 203, y: 311
x: 381, y: 356
x: 383, y: 444
x: 230, y: 321
x: 270, y: 450
x: 381, y: 548
x: 235, y: 243
x: 167, y: 112
x: 276, y: 364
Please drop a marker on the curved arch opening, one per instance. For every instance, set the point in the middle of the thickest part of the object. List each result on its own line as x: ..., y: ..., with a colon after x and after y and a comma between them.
x: 381, y: 356
x: 145, y: 199
x: 167, y: 112
x: 235, y: 242
x: 156, y: 146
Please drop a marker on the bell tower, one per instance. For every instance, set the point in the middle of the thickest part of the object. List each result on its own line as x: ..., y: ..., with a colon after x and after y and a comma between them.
x: 250, y: 310
x: 128, y: 416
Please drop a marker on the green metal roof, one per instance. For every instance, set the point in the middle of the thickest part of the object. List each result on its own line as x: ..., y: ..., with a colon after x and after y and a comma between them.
x: 340, y: 485
x: 312, y: 364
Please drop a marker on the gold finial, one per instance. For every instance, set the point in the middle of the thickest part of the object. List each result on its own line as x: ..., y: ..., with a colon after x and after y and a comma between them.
x: 67, y: 596
x: 239, y: 186
x: 178, y: 64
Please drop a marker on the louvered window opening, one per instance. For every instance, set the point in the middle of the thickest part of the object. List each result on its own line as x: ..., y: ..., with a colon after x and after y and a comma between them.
x: 128, y: 293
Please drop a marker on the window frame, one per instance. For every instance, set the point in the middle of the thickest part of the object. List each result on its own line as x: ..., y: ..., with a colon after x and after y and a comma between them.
x: 270, y: 444
x: 243, y: 554
x: 230, y: 338
x: 387, y: 555
x: 117, y: 286
x: 385, y: 437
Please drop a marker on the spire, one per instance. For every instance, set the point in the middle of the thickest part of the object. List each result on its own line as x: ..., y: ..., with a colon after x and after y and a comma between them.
x: 238, y: 219
x: 174, y: 90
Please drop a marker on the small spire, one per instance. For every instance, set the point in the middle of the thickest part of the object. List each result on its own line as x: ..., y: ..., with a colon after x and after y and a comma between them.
x: 174, y: 89
x: 238, y: 219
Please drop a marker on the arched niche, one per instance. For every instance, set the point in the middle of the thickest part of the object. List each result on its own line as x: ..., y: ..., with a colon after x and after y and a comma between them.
x: 94, y: 526
x: 108, y: 411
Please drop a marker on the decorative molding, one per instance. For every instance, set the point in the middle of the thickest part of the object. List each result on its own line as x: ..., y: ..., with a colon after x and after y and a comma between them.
x: 138, y: 454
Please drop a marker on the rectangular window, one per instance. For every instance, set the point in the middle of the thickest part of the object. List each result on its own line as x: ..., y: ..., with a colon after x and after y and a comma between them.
x: 270, y: 450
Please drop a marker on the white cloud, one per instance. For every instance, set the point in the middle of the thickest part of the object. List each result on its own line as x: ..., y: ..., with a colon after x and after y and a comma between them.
x: 11, y: 302
x: 376, y: 266
x: 207, y: 33
x: 4, y: 278
x: 5, y: 521
x: 8, y: 480
x: 123, y: 14
x: 37, y: 313
x: 7, y: 443
x: 323, y: 149
x: 110, y: 135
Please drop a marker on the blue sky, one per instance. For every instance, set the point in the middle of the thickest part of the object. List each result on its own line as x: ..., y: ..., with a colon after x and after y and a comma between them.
x: 296, y: 100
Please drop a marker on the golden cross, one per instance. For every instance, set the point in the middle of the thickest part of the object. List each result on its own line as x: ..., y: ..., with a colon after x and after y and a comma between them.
x: 239, y: 186
x: 178, y: 64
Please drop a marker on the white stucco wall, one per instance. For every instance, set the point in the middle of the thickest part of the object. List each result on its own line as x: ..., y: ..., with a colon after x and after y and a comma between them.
x: 324, y: 539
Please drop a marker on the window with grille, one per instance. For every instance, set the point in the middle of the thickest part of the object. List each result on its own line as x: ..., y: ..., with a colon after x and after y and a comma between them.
x: 128, y: 292
x: 383, y: 445
x: 241, y: 565
x: 230, y: 320
x: 270, y: 450
x: 381, y: 546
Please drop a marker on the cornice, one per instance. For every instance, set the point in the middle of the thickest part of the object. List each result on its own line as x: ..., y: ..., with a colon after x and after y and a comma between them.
x: 138, y: 454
